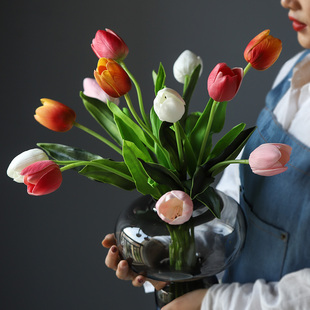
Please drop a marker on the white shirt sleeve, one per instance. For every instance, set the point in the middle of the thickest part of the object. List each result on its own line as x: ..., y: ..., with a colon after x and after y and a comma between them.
x: 292, y: 292
x: 230, y: 181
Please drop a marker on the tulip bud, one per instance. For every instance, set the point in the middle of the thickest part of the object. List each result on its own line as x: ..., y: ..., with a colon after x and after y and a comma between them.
x: 42, y: 177
x: 55, y: 115
x: 93, y: 90
x: 112, y: 78
x: 23, y: 160
x: 270, y: 159
x: 175, y: 207
x: 169, y: 105
x: 224, y: 83
x: 263, y: 50
x: 185, y: 65
x: 108, y: 44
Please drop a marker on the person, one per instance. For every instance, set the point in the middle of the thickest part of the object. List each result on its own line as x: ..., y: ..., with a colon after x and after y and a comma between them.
x: 273, y: 269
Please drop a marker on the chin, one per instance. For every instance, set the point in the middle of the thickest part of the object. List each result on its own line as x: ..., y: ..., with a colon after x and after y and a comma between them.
x: 304, y: 40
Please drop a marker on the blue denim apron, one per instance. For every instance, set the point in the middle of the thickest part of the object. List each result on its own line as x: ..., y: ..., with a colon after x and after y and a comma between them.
x: 277, y: 208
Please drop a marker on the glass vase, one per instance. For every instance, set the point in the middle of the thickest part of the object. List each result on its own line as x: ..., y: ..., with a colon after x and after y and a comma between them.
x: 187, y: 256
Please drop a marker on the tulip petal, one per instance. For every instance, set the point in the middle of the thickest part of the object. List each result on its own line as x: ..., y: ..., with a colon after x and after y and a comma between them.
x: 270, y: 172
x: 23, y: 160
x: 175, y: 207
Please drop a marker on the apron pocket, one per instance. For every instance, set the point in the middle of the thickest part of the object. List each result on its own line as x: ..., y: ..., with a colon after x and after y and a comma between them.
x: 264, y: 251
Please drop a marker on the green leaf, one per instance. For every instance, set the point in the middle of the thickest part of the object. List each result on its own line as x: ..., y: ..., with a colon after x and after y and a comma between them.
x: 129, y: 134
x: 226, y: 140
x: 131, y: 125
x: 200, y: 182
x: 160, y: 79
x: 103, y: 115
x: 232, y: 151
x: 191, y: 121
x: 156, y: 124
x: 212, y: 200
x: 162, y: 175
x: 188, y: 92
x: 219, y: 117
x: 203, y: 178
x: 189, y: 155
x: 111, y: 172
x: 168, y: 141
x: 67, y: 153
x: 198, y: 132
x: 131, y: 153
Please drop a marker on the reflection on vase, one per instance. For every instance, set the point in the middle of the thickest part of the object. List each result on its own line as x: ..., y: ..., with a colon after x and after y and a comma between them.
x: 143, y: 240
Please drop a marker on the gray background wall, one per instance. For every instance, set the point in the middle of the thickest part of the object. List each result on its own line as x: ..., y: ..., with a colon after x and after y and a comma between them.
x: 51, y: 253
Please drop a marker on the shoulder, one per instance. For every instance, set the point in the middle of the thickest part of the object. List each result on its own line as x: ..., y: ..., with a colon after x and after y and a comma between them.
x: 288, y: 65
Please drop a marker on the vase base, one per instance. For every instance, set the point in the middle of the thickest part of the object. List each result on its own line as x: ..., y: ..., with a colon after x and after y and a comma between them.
x: 177, y: 289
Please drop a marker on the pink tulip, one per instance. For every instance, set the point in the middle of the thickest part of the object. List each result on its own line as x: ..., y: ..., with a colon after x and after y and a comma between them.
x: 42, y: 177
x: 175, y: 207
x: 108, y: 44
x: 270, y: 159
x: 93, y: 90
x: 224, y: 83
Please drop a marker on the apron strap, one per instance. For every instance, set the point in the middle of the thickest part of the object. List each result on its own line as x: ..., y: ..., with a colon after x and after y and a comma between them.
x: 275, y: 94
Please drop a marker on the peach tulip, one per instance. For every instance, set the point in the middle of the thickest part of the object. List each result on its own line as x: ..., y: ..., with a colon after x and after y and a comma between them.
x: 263, y: 50
x: 93, y: 90
x: 175, y: 207
x: 112, y: 78
x: 42, y: 177
x: 55, y: 115
x: 224, y: 83
x: 270, y: 159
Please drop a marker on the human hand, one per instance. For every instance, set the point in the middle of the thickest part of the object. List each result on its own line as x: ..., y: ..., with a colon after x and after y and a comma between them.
x: 121, y: 267
x: 189, y: 301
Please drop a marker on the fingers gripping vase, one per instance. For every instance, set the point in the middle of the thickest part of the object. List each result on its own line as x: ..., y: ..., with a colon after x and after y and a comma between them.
x: 188, y: 256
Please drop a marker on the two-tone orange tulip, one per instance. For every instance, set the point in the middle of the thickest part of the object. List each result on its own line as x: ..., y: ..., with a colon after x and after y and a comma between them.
x: 112, y: 78
x: 263, y: 50
x: 55, y: 115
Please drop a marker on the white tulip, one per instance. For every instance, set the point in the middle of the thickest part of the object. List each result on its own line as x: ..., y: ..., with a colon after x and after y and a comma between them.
x: 22, y: 161
x: 185, y: 65
x: 169, y: 105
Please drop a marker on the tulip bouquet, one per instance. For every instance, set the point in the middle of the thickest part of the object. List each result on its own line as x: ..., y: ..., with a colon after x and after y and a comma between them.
x: 167, y: 153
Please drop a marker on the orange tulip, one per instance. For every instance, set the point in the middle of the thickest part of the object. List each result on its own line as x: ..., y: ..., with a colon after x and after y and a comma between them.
x: 112, y: 78
x: 55, y: 115
x: 263, y: 50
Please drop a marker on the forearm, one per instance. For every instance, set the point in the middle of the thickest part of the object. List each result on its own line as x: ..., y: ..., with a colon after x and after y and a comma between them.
x: 291, y: 292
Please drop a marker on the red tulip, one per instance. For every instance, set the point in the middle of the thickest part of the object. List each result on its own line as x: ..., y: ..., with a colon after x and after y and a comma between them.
x: 270, y: 159
x: 224, y: 83
x: 42, y: 177
x: 263, y: 50
x: 108, y: 44
x: 55, y: 115
x: 112, y: 78
x: 175, y: 207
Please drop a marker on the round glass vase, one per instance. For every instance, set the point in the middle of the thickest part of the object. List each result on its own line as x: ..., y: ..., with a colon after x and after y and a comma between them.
x: 187, y: 256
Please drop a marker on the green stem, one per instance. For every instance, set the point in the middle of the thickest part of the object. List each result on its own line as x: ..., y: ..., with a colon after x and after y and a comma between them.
x: 96, y: 135
x: 144, y: 127
x: 186, y: 80
x: 91, y: 163
x: 246, y: 69
x: 228, y: 162
x: 208, y: 129
x: 139, y: 94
